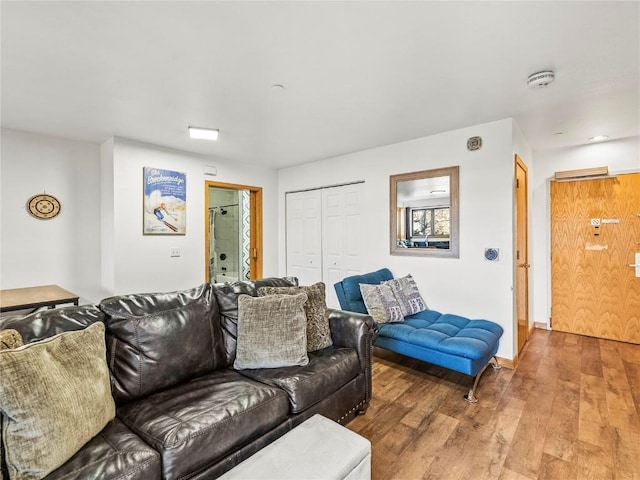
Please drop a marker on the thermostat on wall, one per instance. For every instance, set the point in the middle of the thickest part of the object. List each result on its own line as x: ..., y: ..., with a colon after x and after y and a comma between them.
x: 492, y: 254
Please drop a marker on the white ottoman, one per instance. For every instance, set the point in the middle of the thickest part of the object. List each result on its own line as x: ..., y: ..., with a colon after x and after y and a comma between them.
x: 318, y: 448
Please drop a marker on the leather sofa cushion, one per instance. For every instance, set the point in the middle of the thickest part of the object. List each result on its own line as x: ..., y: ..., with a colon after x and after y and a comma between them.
x: 115, y: 452
x: 195, y: 424
x: 47, y: 323
x: 227, y: 296
x: 155, y: 341
x: 328, y: 370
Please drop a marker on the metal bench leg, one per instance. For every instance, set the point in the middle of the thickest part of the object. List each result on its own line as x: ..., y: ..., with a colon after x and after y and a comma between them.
x: 471, y: 397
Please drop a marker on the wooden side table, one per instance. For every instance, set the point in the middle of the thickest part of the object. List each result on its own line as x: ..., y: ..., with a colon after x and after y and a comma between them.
x: 35, y: 298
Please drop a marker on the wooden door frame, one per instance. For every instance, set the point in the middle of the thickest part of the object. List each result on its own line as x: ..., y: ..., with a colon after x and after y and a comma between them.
x: 255, y: 245
x: 520, y: 164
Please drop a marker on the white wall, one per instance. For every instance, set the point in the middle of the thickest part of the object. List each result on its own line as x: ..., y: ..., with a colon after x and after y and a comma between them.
x: 107, y: 233
x: 64, y: 250
x: 95, y: 247
x: 619, y: 155
x: 142, y: 263
x: 470, y: 285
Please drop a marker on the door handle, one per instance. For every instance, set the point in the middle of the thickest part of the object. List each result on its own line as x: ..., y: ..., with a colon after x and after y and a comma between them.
x: 524, y: 265
x: 636, y: 265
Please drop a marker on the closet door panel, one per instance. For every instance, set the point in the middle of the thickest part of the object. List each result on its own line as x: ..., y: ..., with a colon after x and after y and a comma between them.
x: 303, y: 236
x: 324, y: 236
x: 353, y: 227
x: 342, y: 234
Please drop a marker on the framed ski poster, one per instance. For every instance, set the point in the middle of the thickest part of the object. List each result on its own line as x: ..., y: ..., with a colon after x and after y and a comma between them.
x: 165, y: 202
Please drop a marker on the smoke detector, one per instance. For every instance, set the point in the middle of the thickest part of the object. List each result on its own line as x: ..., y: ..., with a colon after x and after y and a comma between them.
x: 541, y: 79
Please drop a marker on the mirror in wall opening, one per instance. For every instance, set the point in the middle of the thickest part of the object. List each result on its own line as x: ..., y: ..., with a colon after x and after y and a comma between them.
x: 424, y: 213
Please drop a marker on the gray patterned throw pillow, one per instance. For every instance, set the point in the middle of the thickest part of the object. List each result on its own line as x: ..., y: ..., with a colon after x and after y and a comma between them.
x: 406, y: 292
x: 315, y: 308
x: 271, y: 332
x: 380, y: 303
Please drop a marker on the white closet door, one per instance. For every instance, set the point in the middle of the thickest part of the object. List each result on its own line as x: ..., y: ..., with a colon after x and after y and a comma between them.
x: 304, y: 236
x: 341, y: 235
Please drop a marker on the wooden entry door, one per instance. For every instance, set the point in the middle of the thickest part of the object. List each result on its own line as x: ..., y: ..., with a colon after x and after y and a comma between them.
x: 595, y: 234
x: 522, y: 253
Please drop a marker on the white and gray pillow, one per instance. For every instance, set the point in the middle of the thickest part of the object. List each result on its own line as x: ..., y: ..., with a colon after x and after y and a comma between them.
x: 380, y: 303
x: 272, y: 331
x: 407, y: 294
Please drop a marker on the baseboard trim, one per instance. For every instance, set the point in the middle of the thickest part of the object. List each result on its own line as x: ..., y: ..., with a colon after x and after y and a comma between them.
x: 511, y: 364
x: 540, y: 325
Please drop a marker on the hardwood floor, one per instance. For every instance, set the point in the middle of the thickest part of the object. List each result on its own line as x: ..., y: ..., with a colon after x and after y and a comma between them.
x: 571, y: 410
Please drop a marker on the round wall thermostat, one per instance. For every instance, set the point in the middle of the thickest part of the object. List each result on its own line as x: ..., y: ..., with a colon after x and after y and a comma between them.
x: 492, y: 254
x: 44, y: 206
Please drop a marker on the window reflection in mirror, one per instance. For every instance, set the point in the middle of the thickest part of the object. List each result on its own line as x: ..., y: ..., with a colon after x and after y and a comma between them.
x: 424, y: 213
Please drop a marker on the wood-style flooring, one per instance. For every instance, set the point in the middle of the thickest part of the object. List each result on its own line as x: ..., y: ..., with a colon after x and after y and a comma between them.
x: 570, y: 410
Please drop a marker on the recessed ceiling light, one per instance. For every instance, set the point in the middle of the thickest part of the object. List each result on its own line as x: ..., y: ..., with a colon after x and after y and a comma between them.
x: 557, y: 134
x: 203, y: 133
x: 277, y: 88
x: 598, y: 138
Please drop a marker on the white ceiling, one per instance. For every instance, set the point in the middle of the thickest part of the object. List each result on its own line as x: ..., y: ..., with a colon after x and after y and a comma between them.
x: 357, y: 75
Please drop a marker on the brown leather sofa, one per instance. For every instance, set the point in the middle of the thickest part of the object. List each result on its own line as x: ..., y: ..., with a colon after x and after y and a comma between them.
x: 183, y: 412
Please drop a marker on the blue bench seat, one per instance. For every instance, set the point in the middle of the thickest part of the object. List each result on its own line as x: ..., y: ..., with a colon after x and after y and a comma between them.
x: 450, y: 341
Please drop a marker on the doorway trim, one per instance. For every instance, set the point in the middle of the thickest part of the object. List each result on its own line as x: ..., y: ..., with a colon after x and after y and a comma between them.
x: 521, y: 255
x: 255, y: 245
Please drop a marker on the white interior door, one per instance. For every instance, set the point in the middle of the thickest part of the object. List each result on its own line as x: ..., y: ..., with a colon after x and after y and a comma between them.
x: 304, y: 236
x: 341, y: 235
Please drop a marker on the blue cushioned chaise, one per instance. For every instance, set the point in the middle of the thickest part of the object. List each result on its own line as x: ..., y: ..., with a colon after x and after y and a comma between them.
x: 461, y: 344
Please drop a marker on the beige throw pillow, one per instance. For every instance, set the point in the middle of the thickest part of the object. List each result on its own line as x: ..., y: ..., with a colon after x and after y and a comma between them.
x: 54, y: 397
x: 271, y: 331
x: 407, y: 294
x: 315, y: 309
x: 10, y: 339
x: 380, y: 303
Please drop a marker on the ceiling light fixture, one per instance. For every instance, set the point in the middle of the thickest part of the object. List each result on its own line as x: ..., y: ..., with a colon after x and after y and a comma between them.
x: 541, y: 79
x: 598, y: 138
x: 204, y: 133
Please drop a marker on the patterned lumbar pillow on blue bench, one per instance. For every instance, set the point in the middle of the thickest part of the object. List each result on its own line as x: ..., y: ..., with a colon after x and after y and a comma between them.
x: 451, y: 341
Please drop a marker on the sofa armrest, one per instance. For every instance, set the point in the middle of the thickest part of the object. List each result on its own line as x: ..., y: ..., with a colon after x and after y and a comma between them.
x: 357, y: 331
x: 353, y: 330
